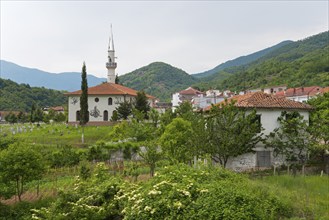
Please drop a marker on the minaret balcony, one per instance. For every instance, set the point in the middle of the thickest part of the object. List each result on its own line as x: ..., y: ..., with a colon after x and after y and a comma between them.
x: 111, y: 65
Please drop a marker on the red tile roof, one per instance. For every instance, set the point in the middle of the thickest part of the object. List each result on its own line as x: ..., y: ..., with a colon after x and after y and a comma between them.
x: 325, y: 90
x: 190, y: 91
x: 109, y: 89
x: 301, y: 91
x: 263, y: 100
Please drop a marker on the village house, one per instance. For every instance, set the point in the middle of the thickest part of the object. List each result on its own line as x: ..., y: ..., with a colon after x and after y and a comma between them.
x: 301, y: 94
x: 103, y: 99
x: 185, y: 95
x: 268, y: 108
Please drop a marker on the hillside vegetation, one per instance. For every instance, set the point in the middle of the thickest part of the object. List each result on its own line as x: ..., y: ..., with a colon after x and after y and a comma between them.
x: 20, y: 97
x: 243, y: 60
x: 301, y: 63
x: 158, y: 79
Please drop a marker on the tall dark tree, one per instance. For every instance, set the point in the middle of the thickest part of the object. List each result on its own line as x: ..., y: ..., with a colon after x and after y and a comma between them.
x: 117, y: 81
x: 84, y: 114
x: 142, y: 103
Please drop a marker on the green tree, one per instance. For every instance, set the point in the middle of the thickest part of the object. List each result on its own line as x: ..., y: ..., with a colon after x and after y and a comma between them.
x: 232, y: 132
x: 319, y: 119
x: 175, y: 141
x: 20, y: 163
x: 319, y: 127
x: 117, y: 80
x: 32, y: 113
x: 21, y: 117
x: 11, y: 118
x: 84, y: 114
x: 292, y: 139
x: 124, y: 110
x: 142, y: 103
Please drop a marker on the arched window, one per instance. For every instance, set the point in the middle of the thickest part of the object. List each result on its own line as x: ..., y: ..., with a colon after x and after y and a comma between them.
x: 105, y: 115
x: 77, y: 116
x: 110, y: 101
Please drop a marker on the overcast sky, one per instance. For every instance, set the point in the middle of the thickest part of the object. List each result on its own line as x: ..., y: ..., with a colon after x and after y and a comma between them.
x: 57, y: 36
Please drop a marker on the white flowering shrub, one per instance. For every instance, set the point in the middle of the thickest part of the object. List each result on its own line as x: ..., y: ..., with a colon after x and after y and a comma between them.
x: 90, y: 199
x: 182, y: 192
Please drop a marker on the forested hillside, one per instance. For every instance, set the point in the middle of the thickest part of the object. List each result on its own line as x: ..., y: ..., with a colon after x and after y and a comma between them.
x: 158, y: 79
x: 20, y: 97
x: 243, y: 60
x: 301, y: 63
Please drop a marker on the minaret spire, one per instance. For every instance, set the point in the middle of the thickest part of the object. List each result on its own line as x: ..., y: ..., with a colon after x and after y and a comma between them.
x: 111, y: 64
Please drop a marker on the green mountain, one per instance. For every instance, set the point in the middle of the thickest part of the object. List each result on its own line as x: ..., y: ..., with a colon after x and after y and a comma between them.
x: 20, y: 97
x: 300, y: 63
x: 243, y: 60
x: 158, y: 79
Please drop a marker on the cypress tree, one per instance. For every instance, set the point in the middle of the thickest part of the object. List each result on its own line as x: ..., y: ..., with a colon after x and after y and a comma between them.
x: 84, y: 116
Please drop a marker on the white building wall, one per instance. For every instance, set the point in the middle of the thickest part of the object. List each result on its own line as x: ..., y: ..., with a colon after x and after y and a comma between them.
x: 175, y: 101
x: 269, y: 123
x: 101, y: 106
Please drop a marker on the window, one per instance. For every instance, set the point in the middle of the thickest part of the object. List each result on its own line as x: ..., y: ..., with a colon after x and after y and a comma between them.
x: 77, y: 116
x: 96, y: 99
x: 263, y: 158
x: 105, y: 115
x: 110, y: 101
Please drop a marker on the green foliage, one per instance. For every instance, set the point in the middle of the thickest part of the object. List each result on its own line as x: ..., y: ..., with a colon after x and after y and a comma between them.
x: 90, y: 199
x: 181, y: 192
x: 308, y: 195
x: 124, y: 110
x: 240, y: 61
x: 19, y: 97
x: 319, y: 119
x: 292, y: 139
x: 158, y: 79
x: 175, y: 142
x: 20, y: 163
x: 142, y: 103
x: 84, y: 114
x: 64, y: 156
x: 231, y: 132
x: 11, y: 118
x: 301, y: 63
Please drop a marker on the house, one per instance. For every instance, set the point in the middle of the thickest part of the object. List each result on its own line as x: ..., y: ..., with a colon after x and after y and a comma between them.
x: 274, y: 89
x: 103, y: 99
x: 212, y: 97
x: 162, y: 107
x: 57, y: 109
x: 185, y: 95
x: 300, y: 94
x: 268, y: 108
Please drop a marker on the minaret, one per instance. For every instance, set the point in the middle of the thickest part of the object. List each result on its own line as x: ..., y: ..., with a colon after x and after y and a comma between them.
x: 111, y: 64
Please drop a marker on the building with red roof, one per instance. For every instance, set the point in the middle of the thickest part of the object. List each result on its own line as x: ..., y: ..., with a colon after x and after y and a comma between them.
x: 269, y: 108
x: 103, y: 99
x: 300, y: 94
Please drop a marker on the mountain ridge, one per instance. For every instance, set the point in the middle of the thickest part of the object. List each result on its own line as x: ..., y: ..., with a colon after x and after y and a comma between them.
x: 242, y: 60
x: 38, y: 78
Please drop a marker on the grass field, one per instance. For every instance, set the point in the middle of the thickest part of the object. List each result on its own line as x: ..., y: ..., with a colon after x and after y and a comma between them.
x: 309, y: 195
x: 56, y: 134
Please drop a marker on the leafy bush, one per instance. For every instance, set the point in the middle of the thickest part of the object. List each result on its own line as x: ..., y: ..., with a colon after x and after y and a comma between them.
x: 90, y: 199
x: 181, y: 192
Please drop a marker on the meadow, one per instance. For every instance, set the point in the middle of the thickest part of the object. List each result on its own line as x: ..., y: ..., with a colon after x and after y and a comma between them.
x: 55, y: 134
